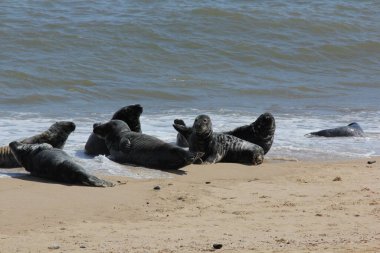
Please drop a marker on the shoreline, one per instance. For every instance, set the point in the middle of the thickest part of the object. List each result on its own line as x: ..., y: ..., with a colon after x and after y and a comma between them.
x: 277, y: 206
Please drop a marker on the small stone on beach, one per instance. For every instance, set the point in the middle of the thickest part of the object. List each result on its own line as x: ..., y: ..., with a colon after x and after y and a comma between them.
x: 157, y: 188
x: 337, y: 179
x: 207, y: 182
x: 371, y: 162
x: 54, y: 247
x: 217, y: 245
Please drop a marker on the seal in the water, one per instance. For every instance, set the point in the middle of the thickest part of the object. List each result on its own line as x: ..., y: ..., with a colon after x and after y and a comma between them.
x: 44, y: 161
x: 130, y: 115
x: 219, y: 147
x: 260, y: 132
x: 140, y: 149
x: 56, y: 136
x: 351, y: 130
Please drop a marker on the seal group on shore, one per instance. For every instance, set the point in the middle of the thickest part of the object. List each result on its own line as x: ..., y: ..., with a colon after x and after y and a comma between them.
x: 140, y: 149
x: 56, y: 136
x: 219, y: 147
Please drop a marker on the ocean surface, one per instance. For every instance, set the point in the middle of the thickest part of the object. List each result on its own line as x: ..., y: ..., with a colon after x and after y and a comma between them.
x: 312, y: 64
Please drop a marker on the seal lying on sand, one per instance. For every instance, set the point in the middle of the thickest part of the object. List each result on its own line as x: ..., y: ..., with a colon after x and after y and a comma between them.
x: 130, y: 115
x: 351, y: 130
x: 44, y: 161
x: 56, y: 136
x: 126, y: 146
x: 260, y: 132
x: 219, y: 147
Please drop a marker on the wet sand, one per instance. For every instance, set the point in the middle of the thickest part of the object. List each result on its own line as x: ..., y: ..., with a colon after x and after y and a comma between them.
x: 275, y: 207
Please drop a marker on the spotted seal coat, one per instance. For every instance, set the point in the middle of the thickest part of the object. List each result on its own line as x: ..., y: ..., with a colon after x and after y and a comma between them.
x: 56, y: 136
x: 44, y: 161
x: 351, y: 130
x: 130, y: 115
x: 260, y: 132
x: 219, y: 147
x: 140, y: 149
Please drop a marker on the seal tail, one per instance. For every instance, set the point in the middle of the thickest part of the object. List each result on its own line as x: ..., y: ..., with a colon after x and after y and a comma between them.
x: 7, y: 159
x: 97, y: 182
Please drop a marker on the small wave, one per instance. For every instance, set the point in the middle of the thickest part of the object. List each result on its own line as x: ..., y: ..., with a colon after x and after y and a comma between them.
x: 33, y: 99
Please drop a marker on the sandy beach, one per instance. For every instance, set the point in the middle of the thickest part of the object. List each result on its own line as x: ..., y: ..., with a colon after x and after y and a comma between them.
x: 276, y: 207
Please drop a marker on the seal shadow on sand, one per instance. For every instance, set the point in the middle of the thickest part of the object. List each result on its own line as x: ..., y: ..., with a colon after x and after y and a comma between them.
x: 30, y: 178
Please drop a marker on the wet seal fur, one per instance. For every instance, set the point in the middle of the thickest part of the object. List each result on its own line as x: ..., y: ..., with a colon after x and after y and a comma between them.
x: 351, y: 130
x: 219, y: 147
x: 44, y: 161
x: 130, y: 115
x: 140, y: 149
x: 56, y: 136
x: 260, y: 132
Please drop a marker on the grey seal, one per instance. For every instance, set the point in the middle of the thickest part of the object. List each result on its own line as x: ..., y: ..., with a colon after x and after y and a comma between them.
x: 219, y: 147
x: 260, y: 132
x: 56, y: 136
x: 130, y: 115
x: 351, y: 130
x: 44, y: 161
x: 140, y: 149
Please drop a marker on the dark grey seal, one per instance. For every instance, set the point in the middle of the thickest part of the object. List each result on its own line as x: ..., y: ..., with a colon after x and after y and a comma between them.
x: 44, y: 161
x: 219, y: 147
x: 56, y: 136
x: 140, y: 149
x: 260, y: 132
x: 130, y: 115
x: 351, y: 130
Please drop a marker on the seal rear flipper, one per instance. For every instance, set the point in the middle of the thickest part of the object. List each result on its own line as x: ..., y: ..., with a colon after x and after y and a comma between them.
x: 97, y: 182
x: 179, y: 122
x: 185, y: 131
x: 7, y: 159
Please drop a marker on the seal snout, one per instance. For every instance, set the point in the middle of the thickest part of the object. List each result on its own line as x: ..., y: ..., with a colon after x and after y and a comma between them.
x: 138, y: 108
x: 98, y: 129
x: 14, y: 145
x: 72, y: 126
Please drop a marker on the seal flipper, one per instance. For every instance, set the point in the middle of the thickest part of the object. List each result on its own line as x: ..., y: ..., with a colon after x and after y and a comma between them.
x: 125, y: 145
x: 179, y: 122
x: 185, y: 131
x: 181, y: 140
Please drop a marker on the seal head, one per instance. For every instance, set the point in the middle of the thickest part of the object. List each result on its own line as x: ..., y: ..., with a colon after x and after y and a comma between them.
x: 130, y: 115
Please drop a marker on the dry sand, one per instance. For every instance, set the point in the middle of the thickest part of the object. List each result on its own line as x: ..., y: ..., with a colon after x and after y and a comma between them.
x: 275, y: 207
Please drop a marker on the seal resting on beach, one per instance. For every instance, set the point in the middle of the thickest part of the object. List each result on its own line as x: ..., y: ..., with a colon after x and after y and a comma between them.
x: 260, y: 132
x: 351, y: 130
x: 140, y: 149
x: 130, y: 115
x: 56, y: 136
x: 44, y: 161
x: 219, y: 147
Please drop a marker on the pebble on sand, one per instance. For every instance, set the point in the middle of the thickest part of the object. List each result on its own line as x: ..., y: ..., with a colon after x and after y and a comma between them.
x: 217, y: 245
